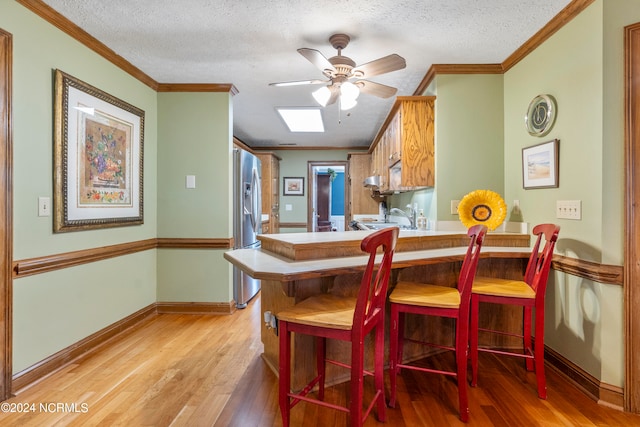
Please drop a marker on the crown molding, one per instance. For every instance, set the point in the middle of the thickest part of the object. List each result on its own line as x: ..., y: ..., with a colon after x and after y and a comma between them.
x: 572, y: 10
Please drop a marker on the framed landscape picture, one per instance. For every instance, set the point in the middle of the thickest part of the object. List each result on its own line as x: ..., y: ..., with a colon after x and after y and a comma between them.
x: 98, y: 158
x: 540, y: 165
x: 293, y: 186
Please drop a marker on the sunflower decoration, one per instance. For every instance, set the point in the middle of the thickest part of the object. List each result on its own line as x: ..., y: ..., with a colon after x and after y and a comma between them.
x: 484, y: 207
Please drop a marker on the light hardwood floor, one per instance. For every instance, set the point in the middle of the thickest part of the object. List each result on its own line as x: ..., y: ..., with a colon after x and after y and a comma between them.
x: 203, y: 370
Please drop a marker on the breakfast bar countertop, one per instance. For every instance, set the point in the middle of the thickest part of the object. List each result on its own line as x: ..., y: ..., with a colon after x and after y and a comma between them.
x: 295, y: 266
x: 297, y: 256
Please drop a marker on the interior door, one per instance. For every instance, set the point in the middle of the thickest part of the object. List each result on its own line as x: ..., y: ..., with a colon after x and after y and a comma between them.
x: 324, y: 198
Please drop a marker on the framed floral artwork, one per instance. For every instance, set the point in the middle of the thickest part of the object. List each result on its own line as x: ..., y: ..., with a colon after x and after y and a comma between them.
x: 98, y: 158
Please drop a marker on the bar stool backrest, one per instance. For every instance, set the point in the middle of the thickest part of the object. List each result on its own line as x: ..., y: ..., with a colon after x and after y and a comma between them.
x: 537, y: 273
x: 375, y: 281
x: 470, y: 264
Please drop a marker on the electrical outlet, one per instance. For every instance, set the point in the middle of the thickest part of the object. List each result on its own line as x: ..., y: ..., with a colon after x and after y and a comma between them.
x: 454, y: 207
x: 568, y: 209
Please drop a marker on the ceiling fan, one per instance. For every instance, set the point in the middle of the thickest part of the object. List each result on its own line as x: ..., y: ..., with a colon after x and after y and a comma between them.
x: 341, y: 70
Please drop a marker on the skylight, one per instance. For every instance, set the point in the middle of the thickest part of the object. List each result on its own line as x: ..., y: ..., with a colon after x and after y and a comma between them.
x: 302, y: 119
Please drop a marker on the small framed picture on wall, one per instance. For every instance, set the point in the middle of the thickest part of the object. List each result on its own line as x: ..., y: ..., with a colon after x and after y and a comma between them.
x: 293, y: 186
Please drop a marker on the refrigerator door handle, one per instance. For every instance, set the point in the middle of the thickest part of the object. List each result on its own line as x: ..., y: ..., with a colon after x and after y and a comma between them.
x: 256, y: 203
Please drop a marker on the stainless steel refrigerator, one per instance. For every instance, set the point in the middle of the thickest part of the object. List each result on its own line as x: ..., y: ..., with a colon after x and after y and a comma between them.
x: 247, y: 219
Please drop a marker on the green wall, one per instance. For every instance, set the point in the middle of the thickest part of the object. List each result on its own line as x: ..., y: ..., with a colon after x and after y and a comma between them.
x: 572, y: 329
x: 469, y: 138
x: 584, y: 318
x: 54, y: 310
x: 195, y: 139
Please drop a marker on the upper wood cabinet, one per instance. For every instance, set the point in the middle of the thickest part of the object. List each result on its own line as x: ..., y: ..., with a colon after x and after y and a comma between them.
x: 270, y: 190
x: 360, y: 200
x: 403, y: 151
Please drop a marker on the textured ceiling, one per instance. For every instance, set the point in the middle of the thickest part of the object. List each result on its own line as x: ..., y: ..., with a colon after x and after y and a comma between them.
x: 251, y: 43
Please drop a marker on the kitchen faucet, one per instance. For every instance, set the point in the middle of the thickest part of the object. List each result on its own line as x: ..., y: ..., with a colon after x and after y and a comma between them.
x: 411, y: 216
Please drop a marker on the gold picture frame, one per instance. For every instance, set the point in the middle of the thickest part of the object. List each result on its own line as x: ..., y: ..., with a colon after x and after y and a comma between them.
x: 98, y: 158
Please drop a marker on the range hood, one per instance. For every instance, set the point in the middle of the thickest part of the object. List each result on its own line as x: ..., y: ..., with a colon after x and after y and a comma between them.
x: 372, y: 181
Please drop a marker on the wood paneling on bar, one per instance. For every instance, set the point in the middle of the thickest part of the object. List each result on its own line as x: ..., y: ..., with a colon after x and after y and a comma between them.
x: 332, y: 249
x: 90, y: 343
x: 44, y: 11
x: 194, y: 243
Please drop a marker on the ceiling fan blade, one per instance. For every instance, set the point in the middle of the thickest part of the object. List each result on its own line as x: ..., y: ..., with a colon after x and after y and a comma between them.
x: 376, y: 89
x: 387, y: 64
x: 317, y: 59
x: 300, y: 82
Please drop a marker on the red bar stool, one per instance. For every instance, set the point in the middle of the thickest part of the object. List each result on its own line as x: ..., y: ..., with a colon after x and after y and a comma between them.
x: 529, y: 294
x: 442, y: 301
x: 347, y: 319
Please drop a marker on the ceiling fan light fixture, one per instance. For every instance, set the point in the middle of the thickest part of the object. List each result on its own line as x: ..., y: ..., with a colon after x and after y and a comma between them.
x: 322, y: 95
x: 347, y: 103
x: 349, y: 91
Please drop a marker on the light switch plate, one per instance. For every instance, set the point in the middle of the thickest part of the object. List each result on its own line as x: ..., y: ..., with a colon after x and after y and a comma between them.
x: 569, y: 209
x: 191, y: 181
x: 44, y: 206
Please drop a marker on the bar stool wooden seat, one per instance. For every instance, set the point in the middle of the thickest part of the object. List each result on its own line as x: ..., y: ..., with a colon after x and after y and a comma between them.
x: 347, y: 319
x: 528, y: 293
x: 442, y: 301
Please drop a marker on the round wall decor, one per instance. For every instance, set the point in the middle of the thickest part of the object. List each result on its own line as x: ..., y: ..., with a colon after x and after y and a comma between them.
x: 541, y: 115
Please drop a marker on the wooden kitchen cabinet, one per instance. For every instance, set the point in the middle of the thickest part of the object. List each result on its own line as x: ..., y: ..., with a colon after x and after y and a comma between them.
x: 360, y: 200
x: 404, y: 154
x: 270, y: 191
x: 379, y: 163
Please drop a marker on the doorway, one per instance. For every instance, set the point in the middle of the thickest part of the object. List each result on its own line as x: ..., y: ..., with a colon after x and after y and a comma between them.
x: 327, y: 203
